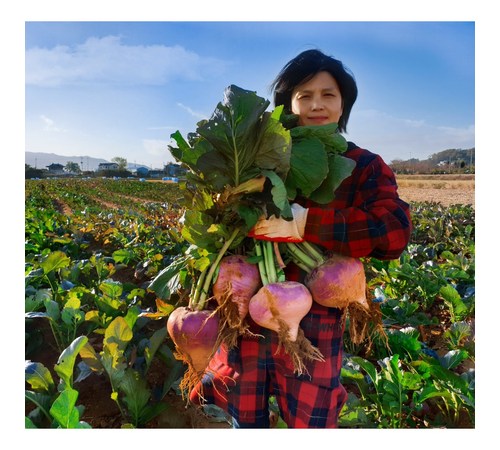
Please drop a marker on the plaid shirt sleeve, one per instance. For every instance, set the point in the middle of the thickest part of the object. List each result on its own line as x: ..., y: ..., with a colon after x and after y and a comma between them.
x: 367, y: 218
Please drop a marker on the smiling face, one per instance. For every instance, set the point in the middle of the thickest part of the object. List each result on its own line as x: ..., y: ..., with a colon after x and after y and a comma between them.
x: 317, y: 101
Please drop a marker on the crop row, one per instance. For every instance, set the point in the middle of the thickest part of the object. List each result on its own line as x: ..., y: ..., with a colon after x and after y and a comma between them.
x: 87, y: 272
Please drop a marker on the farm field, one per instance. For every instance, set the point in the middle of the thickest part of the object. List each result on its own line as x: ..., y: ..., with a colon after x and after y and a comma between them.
x: 94, y: 327
x: 445, y: 189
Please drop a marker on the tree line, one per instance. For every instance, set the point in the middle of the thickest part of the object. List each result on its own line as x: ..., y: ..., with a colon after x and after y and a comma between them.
x: 446, y: 161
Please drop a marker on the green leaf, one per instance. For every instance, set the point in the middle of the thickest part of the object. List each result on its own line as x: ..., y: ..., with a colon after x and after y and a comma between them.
x: 42, y: 401
x: 279, y: 194
x: 458, y: 308
x: 308, y: 167
x: 28, y: 423
x: 368, y: 367
x: 132, y: 315
x: 52, y: 308
x: 453, y: 358
x: 116, y: 338
x: 117, y: 335
x: 273, y: 150
x: 195, y: 230
x: 411, y: 380
x: 38, y: 377
x: 168, y: 280
x: 63, y: 409
x: 72, y: 317
x: 249, y: 214
x: 136, y: 395
x: 185, y: 153
x: 111, y: 288
x: 66, y: 362
x: 155, y: 341
x: 90, y: 358
x: 339, y: 168
x: 55, y: 261
x: 209, y: 164
x: 233, y: 130
x: 123, y: 255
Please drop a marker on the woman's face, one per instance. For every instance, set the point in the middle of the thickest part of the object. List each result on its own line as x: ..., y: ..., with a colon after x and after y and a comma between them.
x: 317, y: 101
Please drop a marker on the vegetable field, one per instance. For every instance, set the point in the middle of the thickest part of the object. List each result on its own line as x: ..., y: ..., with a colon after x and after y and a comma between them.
x: 96, y: 346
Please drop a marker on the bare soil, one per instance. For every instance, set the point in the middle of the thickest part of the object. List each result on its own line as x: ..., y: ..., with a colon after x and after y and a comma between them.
x: 445, y: 189
x: 447, y: 197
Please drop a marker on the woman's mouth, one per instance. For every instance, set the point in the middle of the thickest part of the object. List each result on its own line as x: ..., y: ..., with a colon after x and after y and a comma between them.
x: 317, y: 119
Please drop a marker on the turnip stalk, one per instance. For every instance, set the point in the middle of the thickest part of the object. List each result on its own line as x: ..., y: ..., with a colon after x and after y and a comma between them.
x: 280, y: 305
x: 338, y: 281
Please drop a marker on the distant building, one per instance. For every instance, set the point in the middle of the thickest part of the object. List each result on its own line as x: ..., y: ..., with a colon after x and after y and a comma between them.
x: 108, y: 166
x: 156, y: 173
x: 174, y: 170
x: 56, y: 169
x: 142, y: 171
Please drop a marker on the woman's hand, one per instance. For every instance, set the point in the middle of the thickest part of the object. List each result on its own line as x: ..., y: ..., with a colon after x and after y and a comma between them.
x: 281, y: 230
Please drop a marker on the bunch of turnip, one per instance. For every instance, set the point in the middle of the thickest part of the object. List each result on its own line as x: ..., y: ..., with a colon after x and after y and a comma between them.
x: 280, y: 305
x: 338, y: 281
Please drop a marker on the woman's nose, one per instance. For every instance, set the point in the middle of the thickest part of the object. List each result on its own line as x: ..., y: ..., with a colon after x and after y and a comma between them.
x: 316, y: 104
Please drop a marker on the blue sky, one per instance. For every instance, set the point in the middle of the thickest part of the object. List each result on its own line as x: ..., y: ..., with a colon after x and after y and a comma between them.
x: 107, y: 89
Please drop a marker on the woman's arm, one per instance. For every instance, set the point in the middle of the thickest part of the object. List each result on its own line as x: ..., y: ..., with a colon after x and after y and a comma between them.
x: 367, y: 218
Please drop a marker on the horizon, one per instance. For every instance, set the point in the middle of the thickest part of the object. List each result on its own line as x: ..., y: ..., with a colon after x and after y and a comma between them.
x: 129, y: 163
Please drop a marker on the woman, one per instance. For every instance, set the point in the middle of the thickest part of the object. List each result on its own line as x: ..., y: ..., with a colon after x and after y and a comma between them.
x: 366, y: 219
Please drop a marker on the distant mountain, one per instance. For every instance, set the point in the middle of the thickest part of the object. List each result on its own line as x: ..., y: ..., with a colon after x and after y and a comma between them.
x: 41, y: 160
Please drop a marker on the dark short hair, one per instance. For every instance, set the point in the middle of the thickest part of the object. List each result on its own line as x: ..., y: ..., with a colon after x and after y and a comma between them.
x: 304, y: 67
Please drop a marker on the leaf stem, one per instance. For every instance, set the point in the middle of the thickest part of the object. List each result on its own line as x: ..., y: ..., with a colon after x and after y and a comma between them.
x: 301, y: 258
x: 313, y: 251
x: 269, y: 260
x: 261, y: 263
x: 194, y: 298
x: 200, y: 304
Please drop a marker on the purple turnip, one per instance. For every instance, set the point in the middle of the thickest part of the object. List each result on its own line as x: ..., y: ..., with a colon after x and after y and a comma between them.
x: 194, y: 334
x: 280, y: 305
x: 236, y: 282
x: 338, y: 281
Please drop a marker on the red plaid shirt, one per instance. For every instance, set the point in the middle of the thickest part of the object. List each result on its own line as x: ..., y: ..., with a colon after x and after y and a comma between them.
x: 366, y: 218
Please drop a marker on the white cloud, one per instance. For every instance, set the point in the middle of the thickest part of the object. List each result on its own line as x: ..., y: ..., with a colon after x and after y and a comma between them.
x: 49, y: 125
x: 397, y: 138
x: 108, y: 60
x: 195, y: 114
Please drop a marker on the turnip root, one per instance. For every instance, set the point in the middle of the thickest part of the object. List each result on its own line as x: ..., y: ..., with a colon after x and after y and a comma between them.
x: 339, y: 282
x: 280, y: 305
x: 194, y: 334
x: 237, y: 281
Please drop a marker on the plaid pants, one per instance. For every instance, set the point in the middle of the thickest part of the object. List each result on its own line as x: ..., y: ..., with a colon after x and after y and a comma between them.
x: 240, y: 381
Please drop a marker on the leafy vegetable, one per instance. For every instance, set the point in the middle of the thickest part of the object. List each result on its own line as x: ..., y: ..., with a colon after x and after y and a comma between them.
x: 230, y: 157
x: 317, y: 167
